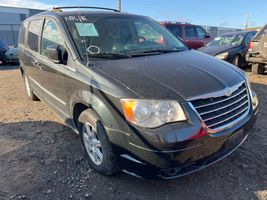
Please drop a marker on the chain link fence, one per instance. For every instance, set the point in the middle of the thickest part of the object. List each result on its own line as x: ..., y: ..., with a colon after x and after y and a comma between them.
x: 215, y: 31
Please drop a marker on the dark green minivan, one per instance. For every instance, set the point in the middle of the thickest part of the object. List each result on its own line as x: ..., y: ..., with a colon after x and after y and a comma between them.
x: 142, y: 102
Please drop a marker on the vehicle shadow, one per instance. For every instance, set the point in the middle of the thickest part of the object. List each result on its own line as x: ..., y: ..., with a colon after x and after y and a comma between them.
x: 44, y: 160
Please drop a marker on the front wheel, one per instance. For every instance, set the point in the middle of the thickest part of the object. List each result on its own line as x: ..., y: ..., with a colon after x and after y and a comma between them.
x: 97, y: 146
x: 29, y: 91
x: 3, y: 61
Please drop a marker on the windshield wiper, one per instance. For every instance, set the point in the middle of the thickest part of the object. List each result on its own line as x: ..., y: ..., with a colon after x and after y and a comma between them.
x: 157, y: 51
x: 109, y: 55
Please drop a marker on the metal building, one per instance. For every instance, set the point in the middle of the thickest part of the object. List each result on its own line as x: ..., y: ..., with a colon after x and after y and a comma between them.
x: 10, y: 21
x: 215, y: 31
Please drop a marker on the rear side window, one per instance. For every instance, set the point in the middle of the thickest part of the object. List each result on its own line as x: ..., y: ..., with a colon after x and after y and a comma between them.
x: 175, y: 30
x: 34, y: 32
x: 190, y: 31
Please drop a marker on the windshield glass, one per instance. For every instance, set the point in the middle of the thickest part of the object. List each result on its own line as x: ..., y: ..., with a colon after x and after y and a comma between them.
x: 106, y: 36
x: 233, y: 40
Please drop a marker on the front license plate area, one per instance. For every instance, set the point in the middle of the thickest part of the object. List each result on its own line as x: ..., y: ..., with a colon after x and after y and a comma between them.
x: 235, y: 139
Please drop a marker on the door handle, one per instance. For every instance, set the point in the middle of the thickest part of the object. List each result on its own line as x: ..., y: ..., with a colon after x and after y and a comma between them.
x: 37, y: 64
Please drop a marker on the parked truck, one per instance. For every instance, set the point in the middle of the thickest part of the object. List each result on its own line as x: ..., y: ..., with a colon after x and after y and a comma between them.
x: 257, y: 53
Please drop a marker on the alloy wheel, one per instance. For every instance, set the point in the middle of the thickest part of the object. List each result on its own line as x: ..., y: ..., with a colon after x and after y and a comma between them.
x: 92, y: 144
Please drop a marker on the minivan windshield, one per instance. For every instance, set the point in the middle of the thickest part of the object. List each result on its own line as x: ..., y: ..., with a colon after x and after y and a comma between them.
x: 119, y: 36
x: 233, y: 40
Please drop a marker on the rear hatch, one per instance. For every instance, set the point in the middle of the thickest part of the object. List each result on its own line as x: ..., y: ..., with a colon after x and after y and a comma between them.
x: 258, y: 44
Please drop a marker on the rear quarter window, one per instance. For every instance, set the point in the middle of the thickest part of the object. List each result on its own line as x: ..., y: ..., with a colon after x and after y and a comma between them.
x: 34, y: 33
x: 22, y: 33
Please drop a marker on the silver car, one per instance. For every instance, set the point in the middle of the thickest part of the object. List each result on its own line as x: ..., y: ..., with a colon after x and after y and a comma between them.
x: 11, y: 55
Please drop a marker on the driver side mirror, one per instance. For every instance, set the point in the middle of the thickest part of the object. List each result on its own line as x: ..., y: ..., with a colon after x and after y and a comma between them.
x: 54, y: 53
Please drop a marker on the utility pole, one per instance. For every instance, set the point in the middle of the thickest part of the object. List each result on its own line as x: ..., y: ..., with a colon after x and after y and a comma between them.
x: 119, y: 5
x: 247, y: 20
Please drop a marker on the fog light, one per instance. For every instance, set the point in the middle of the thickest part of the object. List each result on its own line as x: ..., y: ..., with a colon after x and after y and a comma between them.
x: 199, y: 134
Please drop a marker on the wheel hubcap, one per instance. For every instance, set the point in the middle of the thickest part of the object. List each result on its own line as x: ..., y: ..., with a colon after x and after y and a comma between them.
x: 92, y: 144
x: 28, y: 89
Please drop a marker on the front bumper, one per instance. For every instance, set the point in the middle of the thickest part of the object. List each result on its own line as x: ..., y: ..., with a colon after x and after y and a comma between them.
x: 186, y: 156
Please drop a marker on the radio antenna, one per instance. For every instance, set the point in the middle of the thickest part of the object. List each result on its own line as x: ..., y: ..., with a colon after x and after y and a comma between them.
x: 83, y: 43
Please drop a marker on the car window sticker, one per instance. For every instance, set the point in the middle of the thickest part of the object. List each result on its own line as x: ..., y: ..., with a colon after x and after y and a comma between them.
x: 93, y: 49
x: 86, y: 29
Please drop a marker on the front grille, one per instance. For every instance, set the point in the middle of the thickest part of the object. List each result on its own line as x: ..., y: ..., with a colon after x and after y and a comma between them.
x: 223, y: 111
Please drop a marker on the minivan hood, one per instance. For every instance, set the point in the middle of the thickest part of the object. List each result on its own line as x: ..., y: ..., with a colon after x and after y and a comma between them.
x: 180, y: 76
x: 215, y: 50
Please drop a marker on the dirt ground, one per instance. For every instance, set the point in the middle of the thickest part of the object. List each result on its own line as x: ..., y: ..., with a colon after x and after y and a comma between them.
x: 40, y: 158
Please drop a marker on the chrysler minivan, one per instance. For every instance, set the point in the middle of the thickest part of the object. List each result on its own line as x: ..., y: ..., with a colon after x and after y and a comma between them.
x: 141, y: 101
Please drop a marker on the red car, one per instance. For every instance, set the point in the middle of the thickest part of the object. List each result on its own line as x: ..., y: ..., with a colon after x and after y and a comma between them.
x: 193, y: 36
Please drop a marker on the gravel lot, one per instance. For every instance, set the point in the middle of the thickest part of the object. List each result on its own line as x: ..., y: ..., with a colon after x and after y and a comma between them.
x: 40, y: 158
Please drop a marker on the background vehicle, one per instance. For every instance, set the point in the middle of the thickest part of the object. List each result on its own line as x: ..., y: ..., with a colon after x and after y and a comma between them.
x: 3, y: 49
x: 11, y: 55
x: 257, y: 53
x: 192, y: 35
x: 135, y: 93
x: 231, y: 47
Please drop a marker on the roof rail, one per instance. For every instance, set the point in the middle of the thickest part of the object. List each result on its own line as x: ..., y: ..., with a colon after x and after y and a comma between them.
x: 89, y: 7
x: 175, y: 22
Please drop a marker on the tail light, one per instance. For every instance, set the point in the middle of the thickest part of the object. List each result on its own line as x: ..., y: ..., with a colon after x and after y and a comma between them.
x: 250, y: 46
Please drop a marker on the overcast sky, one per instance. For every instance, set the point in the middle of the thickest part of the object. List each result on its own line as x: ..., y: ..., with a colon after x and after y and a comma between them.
x: 228, y: 13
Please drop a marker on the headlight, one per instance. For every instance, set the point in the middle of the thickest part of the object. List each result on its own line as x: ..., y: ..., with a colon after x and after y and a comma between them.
x: 249, y: 86
x: 152, y: 113
x: 253, y: 95
x: 255, y: 101
x: 222, y: 56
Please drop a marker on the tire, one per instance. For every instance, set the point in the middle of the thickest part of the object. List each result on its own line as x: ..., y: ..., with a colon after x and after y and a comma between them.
x: 94, y: 142
x: 29, y: 91
x: 258, y: 68
x: 3, y: 61
x: 237, y: 61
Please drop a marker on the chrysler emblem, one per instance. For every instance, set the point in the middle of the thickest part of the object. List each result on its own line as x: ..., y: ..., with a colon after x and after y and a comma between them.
x: 228, y: 92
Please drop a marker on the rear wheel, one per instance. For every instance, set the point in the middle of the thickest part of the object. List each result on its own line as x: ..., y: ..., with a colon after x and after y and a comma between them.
x: 97, y: 146
x: 237, y: 61
x: 29, y: 90
x: 258, y: 68
x: 3, y: 61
